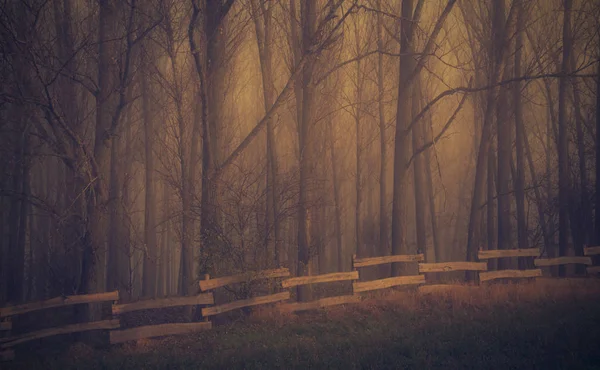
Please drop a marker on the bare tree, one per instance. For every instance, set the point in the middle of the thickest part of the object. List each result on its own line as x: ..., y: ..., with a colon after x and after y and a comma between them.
x: 563, y: 140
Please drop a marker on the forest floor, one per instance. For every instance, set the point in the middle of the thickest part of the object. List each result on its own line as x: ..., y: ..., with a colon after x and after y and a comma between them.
x: 548, y: 324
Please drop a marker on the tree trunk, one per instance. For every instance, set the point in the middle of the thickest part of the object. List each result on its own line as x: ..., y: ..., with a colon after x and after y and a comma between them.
x: 523, y: 241
x: 336, y: 199
x: 597, y: 206
x: 504, y: 136
x: 419, y: 178
x: 18, y: 219
x: 358, y: 180
x: 496, y: 54
x: 262, y: 22
x: 150, y: 252
x: 582, y: 216
x: 94, y: 255
x: 384, y: 247
x: 401, y: 144
x: 563, y: 142
x: 308, y: 26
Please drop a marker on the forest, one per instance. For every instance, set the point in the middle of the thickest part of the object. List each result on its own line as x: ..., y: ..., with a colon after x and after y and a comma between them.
x: 146, y: 143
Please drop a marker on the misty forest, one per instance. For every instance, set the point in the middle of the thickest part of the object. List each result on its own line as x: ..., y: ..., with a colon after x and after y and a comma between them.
x: 147, y: 143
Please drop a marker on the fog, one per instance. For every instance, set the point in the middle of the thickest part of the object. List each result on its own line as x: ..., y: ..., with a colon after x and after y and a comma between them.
x: 147, y: 143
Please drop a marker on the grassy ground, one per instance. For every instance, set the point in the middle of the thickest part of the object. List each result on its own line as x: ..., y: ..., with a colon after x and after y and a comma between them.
x: 542, y: 325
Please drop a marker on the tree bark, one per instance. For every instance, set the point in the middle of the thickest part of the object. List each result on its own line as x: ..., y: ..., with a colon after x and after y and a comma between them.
x: 262, y: 14
x: 383, y: 214
x: 308, y: 15
x: 401, y: 144
x: 597, y: 212
x: 563, y: 141
x: 504, y: 136
x: 150, y: 252
x: 419, y: 178
x: 336, y: 199
x: 523, y: 241
x: 358, y: 229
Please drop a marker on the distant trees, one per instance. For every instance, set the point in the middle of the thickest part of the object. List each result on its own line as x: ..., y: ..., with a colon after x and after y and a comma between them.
x: 146, y: 143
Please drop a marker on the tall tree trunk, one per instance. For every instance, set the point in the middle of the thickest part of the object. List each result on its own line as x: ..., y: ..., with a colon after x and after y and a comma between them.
x: 419, y: 180
x: 496, y: 54
x: 358, y: 180
x: 401, y: 145
x: 262, y: 22
x: 93, y: 266
x: 336, y: 199
x: 150, y: 252
x: 308, y: 15
x: 523, y: 241
x: 582, y: 215
x: 597, y: 206
x: 126, y: 287
x: 563, y: 141
x: 437, y: 248
x: 383, y: 218
x: 116, y: 217
x: 504, y: 136
x: 492, y: 242
x: 18, y: 218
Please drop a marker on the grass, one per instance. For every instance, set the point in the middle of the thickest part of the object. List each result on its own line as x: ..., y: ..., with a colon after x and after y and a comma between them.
x: 548, y: 324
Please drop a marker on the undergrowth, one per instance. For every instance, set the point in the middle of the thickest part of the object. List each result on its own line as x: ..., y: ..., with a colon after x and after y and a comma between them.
x: 548, y: 324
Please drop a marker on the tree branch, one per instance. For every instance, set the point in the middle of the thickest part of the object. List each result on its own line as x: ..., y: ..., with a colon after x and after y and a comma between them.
x: 442, y: 132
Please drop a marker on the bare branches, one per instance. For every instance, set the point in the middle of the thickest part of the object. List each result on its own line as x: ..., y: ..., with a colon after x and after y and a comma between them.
x: 319, y: 44
x: 441, y: 133
x: 468, y: 90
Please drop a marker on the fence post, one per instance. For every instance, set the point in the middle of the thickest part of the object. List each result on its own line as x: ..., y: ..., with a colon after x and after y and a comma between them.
x: 206, y: 277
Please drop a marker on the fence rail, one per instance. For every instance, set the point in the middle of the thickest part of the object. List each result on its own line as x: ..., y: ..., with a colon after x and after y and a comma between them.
x: 373, y: 261
x: 562, y: 261
x: 67, y: 329
x: 209, y: 284
x: 58, y: 302
x: 452, y: 266
x: 118, y: 335
x: 591, y: 251
x: 505, y: 274
x: 201, y: 299
x: 503, y: 253
x: 324, y: 278
x: 211, y: 311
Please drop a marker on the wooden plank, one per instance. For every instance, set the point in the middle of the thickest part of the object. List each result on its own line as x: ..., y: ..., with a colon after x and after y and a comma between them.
x: 510, y: 274
x: 7, y: 355
x: 324, y: 278
x: 205, y: 298
x: 502, y: 253
x: 320, y: 303
x: 591, y: 251
x: 387, y: 283
x: 372, y: 261
x: 74, y: 328
x: 58, y: 302
x: 5, y: 325
x: 151, y: 331
x: 593, y: 270
x: 562, y: 261
x: 244, y: 277
x: 452, y: 266
x: 210, y: 311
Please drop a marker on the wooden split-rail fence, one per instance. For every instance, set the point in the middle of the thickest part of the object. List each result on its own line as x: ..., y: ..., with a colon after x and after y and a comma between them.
x: 284, y: 283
